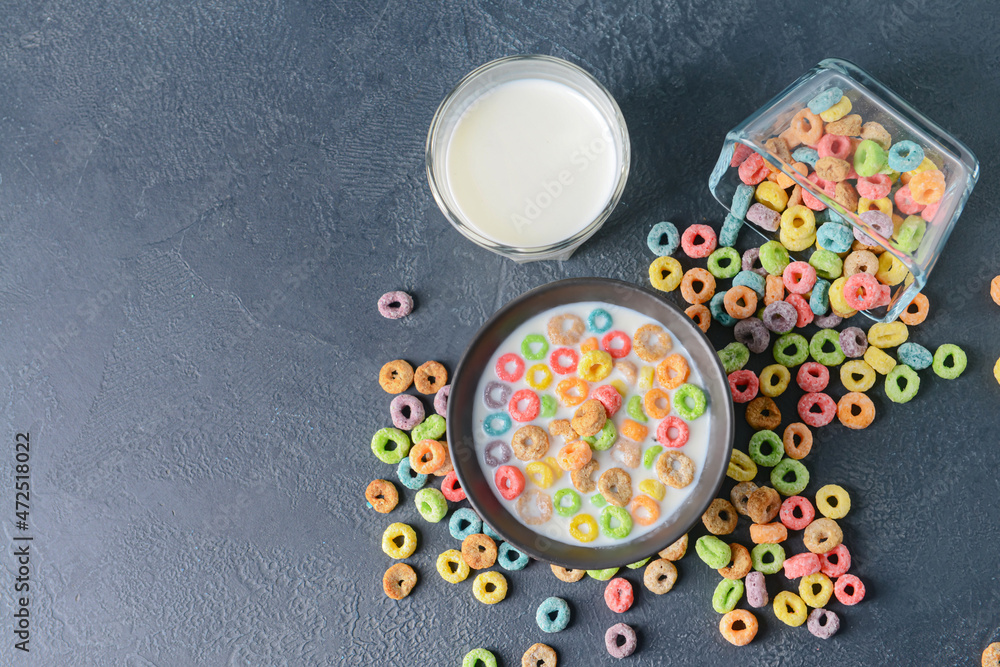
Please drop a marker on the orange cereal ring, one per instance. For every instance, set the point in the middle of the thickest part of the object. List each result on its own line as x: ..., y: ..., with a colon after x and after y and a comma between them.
x: 672, y: 372
x: 740, y: 302
x: 589, y: 345
x: 430, y: 377
x: 382, y: 495
x: 770, y: 533
x: 645, y: 348
x: 927, y: 187
x: 644, y: 503
x: 916, y: 312
x: 574, y: 455
x: 396, y: 376
x: 798, y: 440
x: 855, y: 410
x: 697, y: 286
x: 995, y: 290
x: 774, y: 289
x: 427, y: 456
x: 701, y: 316
x: 651, y: 403
x: 807, y: 126
x: 739, y: 626
x: 565, y: 387
x: 633, y: 430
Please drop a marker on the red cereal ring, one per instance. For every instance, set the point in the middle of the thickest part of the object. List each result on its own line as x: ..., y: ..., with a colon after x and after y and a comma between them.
x: 813, y: 377
x: 509, y: 481
x: 622, y: 350
x: 555, y: 360
x: 753, y: 170
x: 699, y: 240
x: 834, y: 145
x: 796, y: 512
x: 835, y: 562
x: 740, y: 152
x: 801, y: 565
x: 905, y: 203
x: 609, y: 398
x: 505, y: 361
x: 849, y: 590
x: 672, y: 423
x: 862, y: 291
x: 930, y: 211
x: 803, y: 312
x: 618, y: 595
x: 746, y: 379
x: 451, y: 489
x: 530, y: 411
x: 874, y: 187
x: 799, y: 277
x: 827, y: 409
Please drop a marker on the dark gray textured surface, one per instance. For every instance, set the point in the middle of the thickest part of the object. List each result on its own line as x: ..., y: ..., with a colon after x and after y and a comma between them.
x: 201, y: 204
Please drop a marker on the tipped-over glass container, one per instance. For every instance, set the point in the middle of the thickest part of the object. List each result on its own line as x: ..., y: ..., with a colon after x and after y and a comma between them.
x: 873, y: 101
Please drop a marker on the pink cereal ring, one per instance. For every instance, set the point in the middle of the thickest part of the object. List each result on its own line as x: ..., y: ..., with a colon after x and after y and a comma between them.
x: 555, y: 360
x: 799, y: 277
x: 835, y: 562
x: 623, y: 340
x: 451, y: 489
x: 884, y: 296
x: 506, y: 374
x: 874, y: 187
x: 609, y: 398
x: 861, y: 291
x: 808, y: 414
x: 834, y: 145
x: 699, y: 240
x: 740, y: 153
x: 804, y: 314
x: 813, y: 377
x: 930, y: 211
x: 753, y: 170
x: 530, y: 411
x: 618, y: 595
x: 509, y: 481
x: 669, y: 424
x: 905, y: 203
x: 746, y: 379
x: 849, y: 590
x: 796, y: 512
x: 801, y: 565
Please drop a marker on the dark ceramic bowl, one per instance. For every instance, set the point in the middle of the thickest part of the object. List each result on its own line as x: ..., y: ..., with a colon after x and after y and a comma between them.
x: 477, y: 484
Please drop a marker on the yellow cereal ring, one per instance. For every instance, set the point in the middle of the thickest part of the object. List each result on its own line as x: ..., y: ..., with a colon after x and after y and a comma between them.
x: 665, y: 274
x: 554, y: 466
x: 652, y: 488
x: 798, y: 221
x: 837, y: 111
x: 531, y: 377
x: 481, y: 587
x: 741, y: 467
x: 790, y: 609
x: 857, y: 375
x: 539, y: 473
x: 577, y: 524
x: 891, y: 271
x: 646, y: 377
x: 452, y: 567
x: 996, y: 370
x: 838, y: 303
x: 620, y: 387
x: 595, y: 365
x: 833, y: 502
x: 879, y: 360
x: 884, y: 204
x: 815, y: 590
x: 887, y: 334
x: 774, y: 380
x: 771, y: 195
x: 397, y: 531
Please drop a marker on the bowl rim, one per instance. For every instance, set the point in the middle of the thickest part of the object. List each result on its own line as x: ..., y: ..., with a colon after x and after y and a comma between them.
x: 471, y: 476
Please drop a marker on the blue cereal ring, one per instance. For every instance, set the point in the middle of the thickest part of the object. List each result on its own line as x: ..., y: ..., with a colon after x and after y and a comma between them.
x: 915, y: 355
x: 834, y: 237
x: 742, y: 199
x: 730, y: 231
x: 510, y: 558
x: 599, y: 320
x: 467, y: 518
x: 552, y: 615
x: 718, y: 308
x: 825, y: 100
x: 805, y: 154
x: 656, y: 236
x: 819, y: 302
x: 490, y: 426
x: 489, y: 532
x: 905, y: 156
x: 751, y: 279
x: 408, y: 476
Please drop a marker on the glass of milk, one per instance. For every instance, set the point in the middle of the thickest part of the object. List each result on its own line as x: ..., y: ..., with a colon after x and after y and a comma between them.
x: 528, y: 156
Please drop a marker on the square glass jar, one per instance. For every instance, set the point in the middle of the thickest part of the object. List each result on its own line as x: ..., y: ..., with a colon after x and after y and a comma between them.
x: 873, y: 101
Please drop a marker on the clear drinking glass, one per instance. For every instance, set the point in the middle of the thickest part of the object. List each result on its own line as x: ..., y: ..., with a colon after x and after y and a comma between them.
x: 874, y: 102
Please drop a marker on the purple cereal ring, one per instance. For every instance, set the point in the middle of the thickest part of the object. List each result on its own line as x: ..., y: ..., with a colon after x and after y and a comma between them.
x: 823, y: 623
x: 764, y: 217
x: 830, y: 321
x: 752, y: 333
x: 879, y: 221
x: 492, y: 401
x: 756, y: 590
x: 780, y: 317
x: 493, y: 457
x: 853, y: 342
x: 751, y: 258
x: 395, y: 305
x: 620, y: 640
x: 406, y: 411
x: 441, y: 400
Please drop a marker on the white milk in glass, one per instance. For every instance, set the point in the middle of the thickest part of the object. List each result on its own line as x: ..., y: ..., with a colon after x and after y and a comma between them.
x: 531, y: 162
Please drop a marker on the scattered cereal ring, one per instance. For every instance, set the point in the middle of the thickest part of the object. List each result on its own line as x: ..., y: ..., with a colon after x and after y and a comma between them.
x: 779, y: 477
x: 672, y: 372
x: 698, y: 241
x: 927, y: 187
x: 797, y: 440
x: 534, y: 347
x: 489, y: 587
x: 752, y: 333
x: 665, y: 274
x: 740, y: 562
x: 663, y: 239
x: 382, y: 496
x: 433, y: 427
x: 509, y: 482
x: 855, y: 410
x: 822, y: 535
x: 394, y: 305
x: 399, y: 541
x: 406, y: 411
x: 583, y: 528
x: 714, y: 552
x: 774, y: 380
x: 835, y: 562
x: 395, y: 377
x: 552, y: 615
x: 740, y: 495
x: 689, y: 402
x: 857, y: 376
x: 780, y: 317
x: 431, y: 504
x: 812, y: 377
x: 608, y: 397
x: 430, y: 376
x: 823, y: 623
x: 833, y: 502
x: 697, y: 286
x: 762, y: 413
x: 452, y: 567
x: 796, y: 512
x: 817, y: 409
x: 849, y: 590
x: 427, y: 456
x: 479, y: 656
x: 567, y: 575
x: 496, y: 395
x: 620, y: 639
x: 596, y: 365
x: 767, y: 558
x: 772, y: 442
x: 727, y: 594
x: 790, y: 349
x: 603, y: 575
x: 801, y: 565
x: 574, y: 455
x: 790, y: 609
x: 649, y: 350
x: 720, y: 517
x: 949, y: 361
x: 572, y: 391
x: 901, y: 384
x: 618, y: 595
x: 616, y: 486
x: 738, y: 627
x: 803, y: 309
x: 674, y: 469
x: 740, y: 302
x: 390, y: 445
x: 534, y: 507
x: 743, y: 386
x: 660, y: 576
x: 399, y: 580
x: 564, y: 360
x: 733, y: 357
x: 756, y: 589
x: 763, y: 505
x: 724, y: 263
x: 816, y: 589
x: 766, y: 218
x: 741, y: 467
x: 717, y: 309
x: 409, y: 477
x: 565, y: 329
x: 539, y: 655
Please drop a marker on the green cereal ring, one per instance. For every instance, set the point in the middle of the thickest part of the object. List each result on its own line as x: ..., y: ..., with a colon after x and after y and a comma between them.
x: 791, y: 349
x: 724, y: 262
x: 649, y: 457
x: 734, y: 357
x: 431, y: 504
x: 910, y: 233
x: 634, y: 409
x: 953, y: 353
x: 901, y: 384
x: 432, y: 428
x: 562, y: 509
x: 727, y: 594
x: 603, y: 575
x: 789, y: 467
x: 639, y: 563
x: 598, y: 500
x: 713, y: 551
x: 529, y: 352
x: 869, y: 158
x: 619, y: 514
x: 696, y: 407
x: 400, y: 445
x: 828, y: 264
x: 479, y: 656
x: 825, y: 347
x: 774, y: 258
x: 774, y: 441
x: 549, y: 406
x: 605, y: 439
x: 761, y: 562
